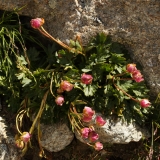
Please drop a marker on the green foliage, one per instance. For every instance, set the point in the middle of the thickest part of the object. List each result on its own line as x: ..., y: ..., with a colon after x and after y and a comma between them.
x: 29, y: 68
x: 28, y: 72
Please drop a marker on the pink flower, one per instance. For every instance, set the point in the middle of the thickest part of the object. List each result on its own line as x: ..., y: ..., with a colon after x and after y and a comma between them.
x: 88, y: 112
x: 100, y: 121
x: 137, y: 76
x: 93, y: 136
x: 98, y: 146
x: 66, y: 86
x: 85, y: 131
x: 131, y: 68
x: 59, y: 100
x: 86, y: 118
x: 25, y: 137
x: 37, y: 22
x: 145, y: 103
x: 86, y: 78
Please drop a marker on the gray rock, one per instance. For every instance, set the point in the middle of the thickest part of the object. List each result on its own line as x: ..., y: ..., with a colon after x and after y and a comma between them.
x: 117, y: 131
x: 8, y: 150
x: 133, y: 23
x: 56, y: 137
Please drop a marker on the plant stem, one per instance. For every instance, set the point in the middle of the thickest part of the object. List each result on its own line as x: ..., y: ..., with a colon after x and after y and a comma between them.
x: 90, y: 145
x: 120, y: 74
x: 57, y: 41
x: 126, y: 78
x: 39, y: 112
x: 72, y: 124
x: 45, y: 33
x: 51, y: 85
x: 21, y: 113
x: 124, y: 92
x: 39, y: 140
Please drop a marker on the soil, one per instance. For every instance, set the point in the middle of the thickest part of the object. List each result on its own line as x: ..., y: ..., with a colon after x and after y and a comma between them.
x: 79, y: 151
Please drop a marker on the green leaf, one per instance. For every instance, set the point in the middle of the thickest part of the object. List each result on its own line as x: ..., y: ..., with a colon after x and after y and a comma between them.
x: 25, y: 81
x: 78, y: 46
x: 117, y: 58
x: 107, y: 67
x: 22, y: 60
x: 98, y: 72
x: 64, y: 58
x: 39, y: 71
x: 50, y: 51
x: 33, y: 54
x: 47, y: 107
x: 79, y: 102
x: 109, y: 76
x: 101, y: 38
x: 118, y: 68
x: 90, y: 90
x: 72, y: 43
x: 137, y: 93
x: 125, y: 86
x: 86, y: 70
x: 105, y: 89
x: 20, y: 76
x: 72, y: 74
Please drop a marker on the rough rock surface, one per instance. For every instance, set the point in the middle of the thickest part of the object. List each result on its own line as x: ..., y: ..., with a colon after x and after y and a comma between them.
x: 8, y: 150
x: 56, y: 137
x: 135, y: 23
x: 117, y: 131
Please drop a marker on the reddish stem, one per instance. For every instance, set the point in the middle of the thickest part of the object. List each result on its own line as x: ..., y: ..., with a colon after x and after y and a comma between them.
x: 120, y: 74
x: 124, y: 92
x: 126, y: 79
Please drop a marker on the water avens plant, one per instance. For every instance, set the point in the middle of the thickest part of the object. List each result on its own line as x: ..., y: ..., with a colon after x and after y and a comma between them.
x: 73, y: 82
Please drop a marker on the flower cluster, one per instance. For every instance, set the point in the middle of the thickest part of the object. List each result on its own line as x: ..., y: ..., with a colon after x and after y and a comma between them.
x: 67, y: 86
x: 89, y: 132
x: 64, y: 86
x: 138, y: 77
x: 79, y: 77
x: 136, y: 74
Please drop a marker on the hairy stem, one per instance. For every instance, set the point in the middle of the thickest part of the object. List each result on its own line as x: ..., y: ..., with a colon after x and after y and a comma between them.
x: 45, y: 33
x: 125, y: 92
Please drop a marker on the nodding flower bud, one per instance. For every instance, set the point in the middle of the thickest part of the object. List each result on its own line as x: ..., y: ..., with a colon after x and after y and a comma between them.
x: 86, y: 78
x: 66, y: 86
x: 59, y: 100
x: 37, y: 22
x: 88, y: 112
x: 100, y: 121
x: 98, y: 146
x: 131, y: 68
x: 145, y: 103
x: 93, y: 136
x: 84, y: 132
x: 25, y: 137
x: 137, y: 76
x: 86, y: 118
